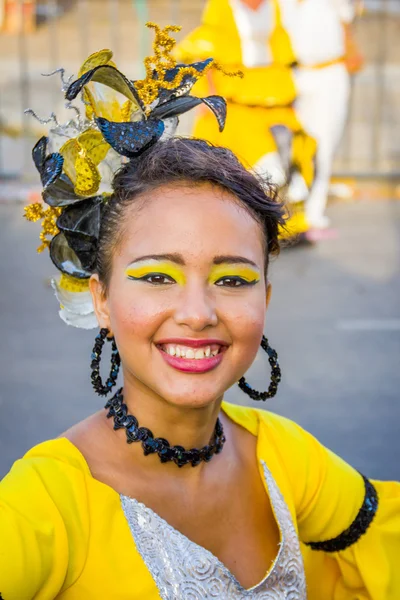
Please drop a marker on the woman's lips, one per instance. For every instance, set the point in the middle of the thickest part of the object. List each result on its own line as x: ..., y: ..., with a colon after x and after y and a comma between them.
x: 202, y: 357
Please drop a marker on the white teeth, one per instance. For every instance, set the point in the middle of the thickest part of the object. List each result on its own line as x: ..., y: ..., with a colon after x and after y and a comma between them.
x: 191, y: 353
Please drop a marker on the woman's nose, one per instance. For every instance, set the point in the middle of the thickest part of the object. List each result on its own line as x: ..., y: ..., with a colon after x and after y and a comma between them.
x: 196, y: 308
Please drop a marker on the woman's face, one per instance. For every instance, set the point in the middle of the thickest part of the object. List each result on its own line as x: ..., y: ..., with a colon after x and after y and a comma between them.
x: 187, y: 294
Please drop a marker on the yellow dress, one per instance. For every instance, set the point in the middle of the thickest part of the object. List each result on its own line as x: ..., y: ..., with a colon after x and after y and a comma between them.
x: 260, y: 101
x: 63, y: 534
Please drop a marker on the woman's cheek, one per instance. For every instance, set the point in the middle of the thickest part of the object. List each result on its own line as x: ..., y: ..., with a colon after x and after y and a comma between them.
x: 246, y: 318
x: 137, y: 314
x: 245, y: 331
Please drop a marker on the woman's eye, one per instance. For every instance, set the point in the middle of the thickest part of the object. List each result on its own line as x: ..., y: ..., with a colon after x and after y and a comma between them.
x: 158, y: 279
x: 233, y: 282
x: 154, y: 279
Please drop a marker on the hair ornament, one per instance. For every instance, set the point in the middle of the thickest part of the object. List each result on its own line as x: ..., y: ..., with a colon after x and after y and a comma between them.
x: 120, y: 119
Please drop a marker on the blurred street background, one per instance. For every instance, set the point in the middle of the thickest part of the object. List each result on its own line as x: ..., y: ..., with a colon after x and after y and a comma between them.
x: 335, y: 313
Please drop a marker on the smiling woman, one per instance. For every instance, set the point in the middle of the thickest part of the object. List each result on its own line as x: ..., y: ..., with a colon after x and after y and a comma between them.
x: 183, y: 251
x: 220, y: 501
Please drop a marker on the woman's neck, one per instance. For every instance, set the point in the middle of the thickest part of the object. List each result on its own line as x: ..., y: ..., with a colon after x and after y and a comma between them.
x: 190, y: 427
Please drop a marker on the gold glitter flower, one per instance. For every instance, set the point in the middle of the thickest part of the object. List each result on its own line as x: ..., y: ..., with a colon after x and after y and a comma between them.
x: 34, y: 212
x: 162, y: 60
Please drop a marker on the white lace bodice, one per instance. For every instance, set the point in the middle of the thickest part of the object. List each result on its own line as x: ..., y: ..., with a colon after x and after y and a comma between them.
x: 183, y: 570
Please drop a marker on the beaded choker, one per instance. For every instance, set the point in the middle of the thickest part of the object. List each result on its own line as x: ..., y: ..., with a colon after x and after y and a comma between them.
x: 151, y: 445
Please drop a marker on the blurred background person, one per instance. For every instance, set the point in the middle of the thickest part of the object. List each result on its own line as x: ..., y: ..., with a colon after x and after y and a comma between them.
x: 326, y: 55
x: 262, y: 126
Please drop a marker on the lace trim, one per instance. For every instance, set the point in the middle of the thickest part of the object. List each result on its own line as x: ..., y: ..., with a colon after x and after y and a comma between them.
x: 358, y: 527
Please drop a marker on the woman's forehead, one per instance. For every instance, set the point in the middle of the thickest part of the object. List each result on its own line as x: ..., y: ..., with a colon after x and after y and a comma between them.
x: 192, y: 220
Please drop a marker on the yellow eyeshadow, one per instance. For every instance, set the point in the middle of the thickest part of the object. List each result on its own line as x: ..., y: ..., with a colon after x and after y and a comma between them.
x: 246, y: 273
x: 142, y: 269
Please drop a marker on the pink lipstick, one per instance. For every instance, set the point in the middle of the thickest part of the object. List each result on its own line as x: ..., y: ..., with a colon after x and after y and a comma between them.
x: 192, y: 355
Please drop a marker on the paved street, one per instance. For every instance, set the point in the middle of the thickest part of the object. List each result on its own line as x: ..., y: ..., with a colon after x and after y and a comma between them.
x: 334, y: 319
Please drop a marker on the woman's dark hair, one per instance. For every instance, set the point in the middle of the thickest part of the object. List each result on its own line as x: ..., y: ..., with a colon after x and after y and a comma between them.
x: 193, y: 162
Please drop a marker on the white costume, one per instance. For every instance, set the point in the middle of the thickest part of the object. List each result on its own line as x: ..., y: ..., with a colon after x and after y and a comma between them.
x: 323, y: 85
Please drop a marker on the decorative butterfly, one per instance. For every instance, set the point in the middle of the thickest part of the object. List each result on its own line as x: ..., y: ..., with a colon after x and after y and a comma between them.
x: 131, y: 136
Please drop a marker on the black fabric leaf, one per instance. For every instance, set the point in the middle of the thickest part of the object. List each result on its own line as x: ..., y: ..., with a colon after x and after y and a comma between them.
x: 218, y: 106
x: 77, y: 85
x: 61, y: 192
x: 80, y: 224
x: 178, y: 106
x: 109, y: 76
x: 175, y: 107
x: 82, y: 218
x: 85, y: 248
x: 66, y: 260
x: 39, y: 153
x: 131, y: 139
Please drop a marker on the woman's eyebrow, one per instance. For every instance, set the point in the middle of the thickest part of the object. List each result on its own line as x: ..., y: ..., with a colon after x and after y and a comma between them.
x: 234, y: 260
x: 178, y: 259
x: 175, y: 258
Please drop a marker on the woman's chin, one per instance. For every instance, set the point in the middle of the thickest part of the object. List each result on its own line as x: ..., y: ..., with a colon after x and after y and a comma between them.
x: 190, y: 396
x: 194, y: 383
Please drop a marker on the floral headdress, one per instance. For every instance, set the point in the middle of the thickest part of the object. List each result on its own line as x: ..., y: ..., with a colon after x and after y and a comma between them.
x: 122, y: 118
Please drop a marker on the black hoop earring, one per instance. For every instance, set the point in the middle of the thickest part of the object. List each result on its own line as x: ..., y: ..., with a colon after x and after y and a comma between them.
x: 97, y: 383
x: 275, y: 375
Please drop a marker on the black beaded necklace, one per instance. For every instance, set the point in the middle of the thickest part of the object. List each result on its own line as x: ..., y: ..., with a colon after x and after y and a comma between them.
x: 177, y: 454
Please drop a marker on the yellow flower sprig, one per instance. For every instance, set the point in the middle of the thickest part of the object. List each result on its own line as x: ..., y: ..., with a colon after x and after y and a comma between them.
x: 34, y: 212
x: 148, y: 88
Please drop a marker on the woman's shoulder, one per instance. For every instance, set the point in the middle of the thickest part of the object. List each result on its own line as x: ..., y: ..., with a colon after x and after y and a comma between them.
x: 49, y: 472
x: 280, y: 441
x: 44, y: 520
x: 263, y: 422
x: 58, y: 453
x: 64, y: 454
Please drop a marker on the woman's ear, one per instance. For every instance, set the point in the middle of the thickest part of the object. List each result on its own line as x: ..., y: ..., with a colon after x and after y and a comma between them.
x: 100, y: 302
x: 268, y: 294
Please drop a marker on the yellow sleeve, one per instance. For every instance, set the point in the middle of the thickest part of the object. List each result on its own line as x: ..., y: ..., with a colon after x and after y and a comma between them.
x: 42, y: 516
x: 349, y: 527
